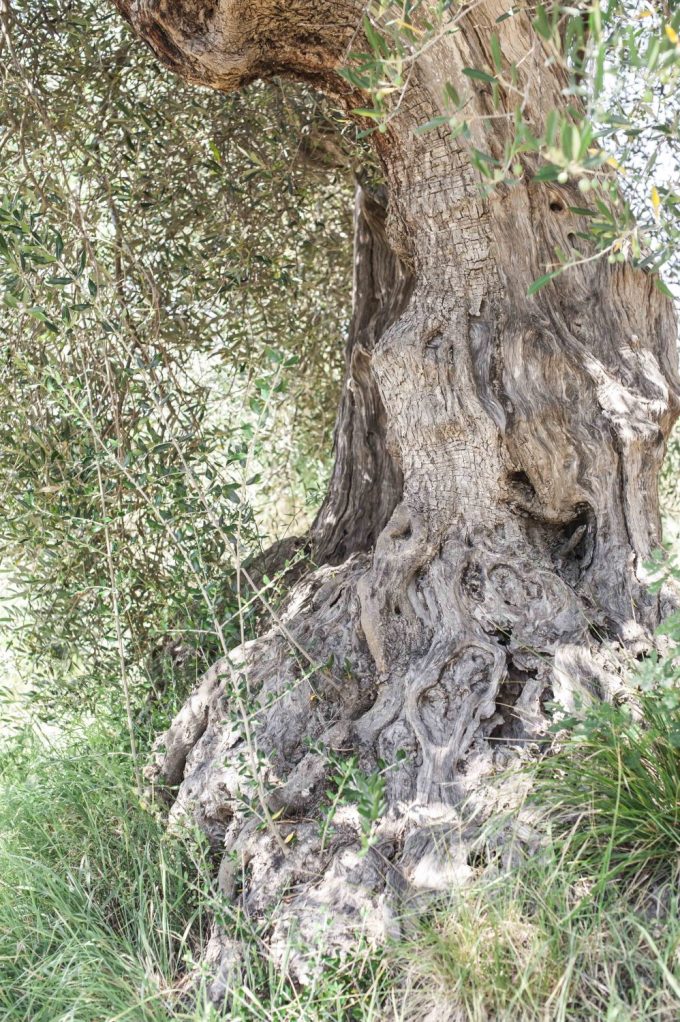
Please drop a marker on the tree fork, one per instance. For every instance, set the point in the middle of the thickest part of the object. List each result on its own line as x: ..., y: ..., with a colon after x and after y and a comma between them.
x: 530, y: 431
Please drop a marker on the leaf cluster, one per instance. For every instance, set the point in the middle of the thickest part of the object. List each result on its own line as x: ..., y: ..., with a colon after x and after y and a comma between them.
x: 174, y: 270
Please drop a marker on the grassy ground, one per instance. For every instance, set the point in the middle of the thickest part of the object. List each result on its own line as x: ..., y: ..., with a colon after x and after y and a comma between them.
x: 102, y: 914
x: 589, y: 927
x: 97, y: 909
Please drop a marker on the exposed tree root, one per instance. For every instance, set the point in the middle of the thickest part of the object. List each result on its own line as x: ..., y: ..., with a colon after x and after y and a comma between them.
x: 258, y: 753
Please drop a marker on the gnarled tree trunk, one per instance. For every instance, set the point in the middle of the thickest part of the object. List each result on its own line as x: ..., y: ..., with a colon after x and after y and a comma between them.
x: 529, y: 430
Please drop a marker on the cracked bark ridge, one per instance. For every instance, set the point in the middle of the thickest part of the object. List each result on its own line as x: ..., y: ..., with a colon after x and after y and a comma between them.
x: 529, y: 431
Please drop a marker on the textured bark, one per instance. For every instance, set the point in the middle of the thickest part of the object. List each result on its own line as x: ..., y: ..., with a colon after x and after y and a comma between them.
x: 366, y: 483
x: 530, y: 432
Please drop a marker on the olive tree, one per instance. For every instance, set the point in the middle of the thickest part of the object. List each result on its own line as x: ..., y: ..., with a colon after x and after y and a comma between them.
x: 497, y: 492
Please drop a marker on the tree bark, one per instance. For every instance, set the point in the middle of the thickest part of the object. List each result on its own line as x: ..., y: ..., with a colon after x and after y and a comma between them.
x: 366, y: 483
x: 530, y: 431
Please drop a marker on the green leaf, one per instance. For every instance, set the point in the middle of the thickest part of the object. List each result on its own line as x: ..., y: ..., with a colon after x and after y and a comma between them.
x: 375, y: 40
x: 375, y: 115
x: 542, y: 24
x: 548, y: 172
x: 496, y: 52
x: 451, y: 94
x: 598, y: 78
x: 480, y: 76
x: 663, y: 288
x: 540, y: 282
x: 480, y: 156
x: 582, y: 211
x: 436, y: 122
x: 551, y: 126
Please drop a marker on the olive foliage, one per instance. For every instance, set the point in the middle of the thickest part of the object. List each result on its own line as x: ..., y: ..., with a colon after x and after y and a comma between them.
x: 174, y: 286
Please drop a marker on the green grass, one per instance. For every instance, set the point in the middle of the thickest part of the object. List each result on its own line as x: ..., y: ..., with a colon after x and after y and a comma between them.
x: 588, y: 928
x: 537, y: 947
x: 102, y: 914
x: 612, y: 791
x: 98, y: 909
